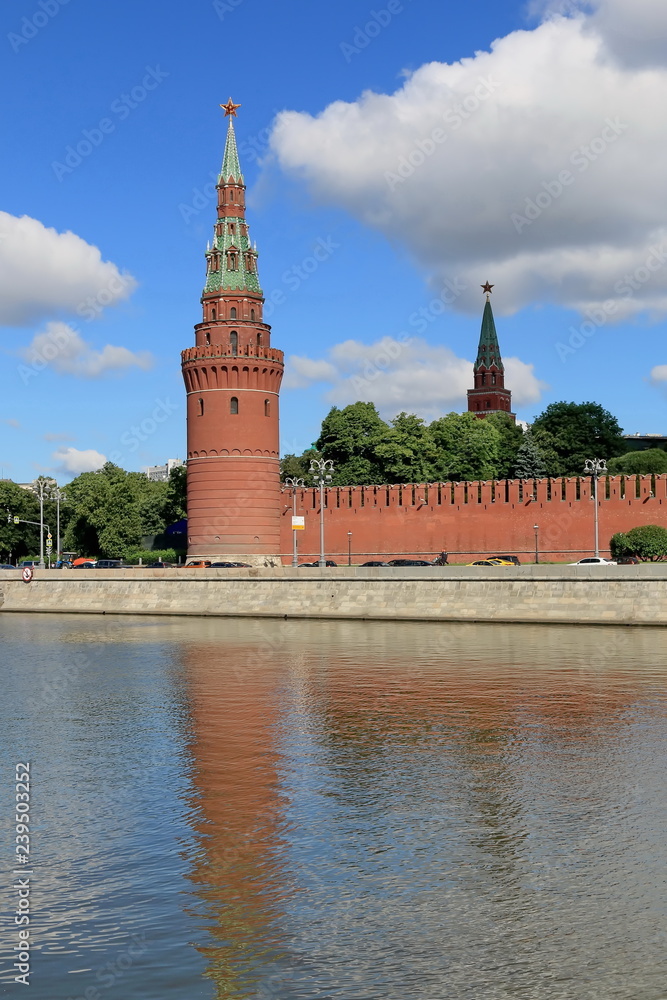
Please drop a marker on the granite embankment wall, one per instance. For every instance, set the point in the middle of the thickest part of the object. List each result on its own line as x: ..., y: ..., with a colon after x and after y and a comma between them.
x: 631, y: 595
x: 474, y: 518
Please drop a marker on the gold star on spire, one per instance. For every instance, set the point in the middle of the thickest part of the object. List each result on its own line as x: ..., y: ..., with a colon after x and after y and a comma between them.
x: 486, y: 288
x: 230, y: 108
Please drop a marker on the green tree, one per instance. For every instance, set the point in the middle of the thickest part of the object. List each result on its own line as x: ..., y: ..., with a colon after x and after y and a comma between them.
x: 511, y: 439
x: 569, y: 433
x: 642, y: 463
x: 297, y: 466
x: 176, y: 500
x: 648, y: 542
x: 530, y: 463
x: 350, y: 438
x: 407, y: 454
x: 17, y: 540
x: 466, y: 447
x: 105, y: 517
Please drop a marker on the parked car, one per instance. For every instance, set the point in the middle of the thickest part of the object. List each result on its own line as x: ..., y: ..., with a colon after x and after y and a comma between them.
x: 375, y: 562
x: 85, y: 565
x: 497, y: 561
x: 594, y: 561
x: 33, y: 563
x: 230, y: 565
x: 330, y: 562
x: 511, y: 559
x: 158, y: 565
x: 198, y: 564
x: 109, y: 564
x: 483, y: 562
x: 6, y: 566
x: 628, y: 561
x: 409, y: 562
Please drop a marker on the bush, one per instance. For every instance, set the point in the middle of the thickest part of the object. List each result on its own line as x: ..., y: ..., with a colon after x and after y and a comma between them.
x: 157, y: 555
x: 648, y: 542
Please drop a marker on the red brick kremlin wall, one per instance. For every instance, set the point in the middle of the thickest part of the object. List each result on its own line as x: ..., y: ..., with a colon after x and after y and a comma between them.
x: 473, y: 519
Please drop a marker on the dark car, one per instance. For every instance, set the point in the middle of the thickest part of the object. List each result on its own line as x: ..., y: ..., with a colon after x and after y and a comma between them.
x: 512, y: 559
x: 6, y: 566
x: 109, y: 564
x: 158, y: 565
x: 374, y: 562
x: 85, y: 565
x: 628, y: 561
x: 230, y: 565
x: 409, y: 562
x: 330, y: 562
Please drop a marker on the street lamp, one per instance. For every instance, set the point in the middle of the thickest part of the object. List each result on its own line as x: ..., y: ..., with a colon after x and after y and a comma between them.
x: 321, y: 469
x: 42, y: 488
x: 294, y: 484
x: 595, y: 467
x: 349, y: 548
x: 59, y: 496
x: 536, y: 529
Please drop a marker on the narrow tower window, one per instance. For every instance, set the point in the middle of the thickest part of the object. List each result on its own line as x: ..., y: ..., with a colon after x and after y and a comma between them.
x: 232, y: 312
x: 234, y: 405
x: 208, y: 337
x: 231, y: 196
x: 234, y: 338
x: 252, y: 314
x: 267, y: 407
x: 259, y: 340
x: 213, y: 314
x: 201, y: 407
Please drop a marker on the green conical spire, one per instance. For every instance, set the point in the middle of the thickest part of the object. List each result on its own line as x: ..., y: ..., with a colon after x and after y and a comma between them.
x: 230, y: 161
x: 488, y: 352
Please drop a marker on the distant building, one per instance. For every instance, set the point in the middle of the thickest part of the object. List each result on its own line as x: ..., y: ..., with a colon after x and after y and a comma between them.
x: 161, y: 473
x: 489, y: 395
x: 33, y: 485
x: 642, y: 442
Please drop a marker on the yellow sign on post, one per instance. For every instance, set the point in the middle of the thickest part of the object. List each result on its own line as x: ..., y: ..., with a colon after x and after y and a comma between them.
x: 298, y: 522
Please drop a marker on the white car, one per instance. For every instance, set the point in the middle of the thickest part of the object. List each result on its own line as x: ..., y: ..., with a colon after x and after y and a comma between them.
x: 594, y: 561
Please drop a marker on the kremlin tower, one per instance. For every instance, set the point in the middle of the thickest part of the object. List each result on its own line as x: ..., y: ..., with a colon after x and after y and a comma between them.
x: 489, y: 394
x: 232, y: 379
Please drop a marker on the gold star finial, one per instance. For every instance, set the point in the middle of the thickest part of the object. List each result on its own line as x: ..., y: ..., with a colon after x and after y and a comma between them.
x: 230, y: 108
x: 486, y: 288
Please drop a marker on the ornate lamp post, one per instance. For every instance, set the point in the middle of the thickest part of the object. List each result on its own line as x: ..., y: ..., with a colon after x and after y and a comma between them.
x: 59, y: 496
x: 294, y: 485
x: 595, y: 468
x: 536, y: 529
x: 349, y: 548
x: 43, y: 490
x: 321, y: 469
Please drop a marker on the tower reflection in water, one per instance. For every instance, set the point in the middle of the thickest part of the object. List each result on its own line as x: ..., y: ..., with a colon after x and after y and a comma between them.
x: 370, y: 792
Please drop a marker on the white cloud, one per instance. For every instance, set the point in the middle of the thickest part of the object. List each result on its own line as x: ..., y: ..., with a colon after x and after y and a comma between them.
x: 65, y: 351
x: 43, y: 272
x: 11, y: 422
x: 73, y: 461
x: 408, y: 375
x: 443, y: 165
x: 659, y: 374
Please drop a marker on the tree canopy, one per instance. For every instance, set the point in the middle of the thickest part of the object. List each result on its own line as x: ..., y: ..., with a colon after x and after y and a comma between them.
x: 569, y: 433
x: 642, y: 463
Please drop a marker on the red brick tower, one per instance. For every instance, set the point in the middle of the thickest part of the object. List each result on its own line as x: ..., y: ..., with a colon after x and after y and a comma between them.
x: 232, y: 378
x: 489, y: 394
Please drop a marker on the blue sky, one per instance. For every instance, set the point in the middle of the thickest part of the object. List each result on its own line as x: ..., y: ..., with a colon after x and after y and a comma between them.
x: 407, y: 219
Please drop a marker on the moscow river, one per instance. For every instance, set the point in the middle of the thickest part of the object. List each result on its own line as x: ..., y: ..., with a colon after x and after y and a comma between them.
x: 234, y: 809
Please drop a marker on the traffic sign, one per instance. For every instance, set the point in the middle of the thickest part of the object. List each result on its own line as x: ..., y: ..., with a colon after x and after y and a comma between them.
x: 49, y: 537
x: 16, y: 519
x: 298, y: 523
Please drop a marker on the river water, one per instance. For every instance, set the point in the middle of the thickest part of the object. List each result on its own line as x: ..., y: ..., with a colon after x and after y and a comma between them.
x: 337, y: 810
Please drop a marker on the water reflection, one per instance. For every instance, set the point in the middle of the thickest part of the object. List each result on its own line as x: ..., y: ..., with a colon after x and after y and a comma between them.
x: 352, y: 811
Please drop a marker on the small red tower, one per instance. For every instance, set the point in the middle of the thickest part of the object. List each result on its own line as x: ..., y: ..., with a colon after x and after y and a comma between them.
x: 489, y: 394
x: 232, y: 379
